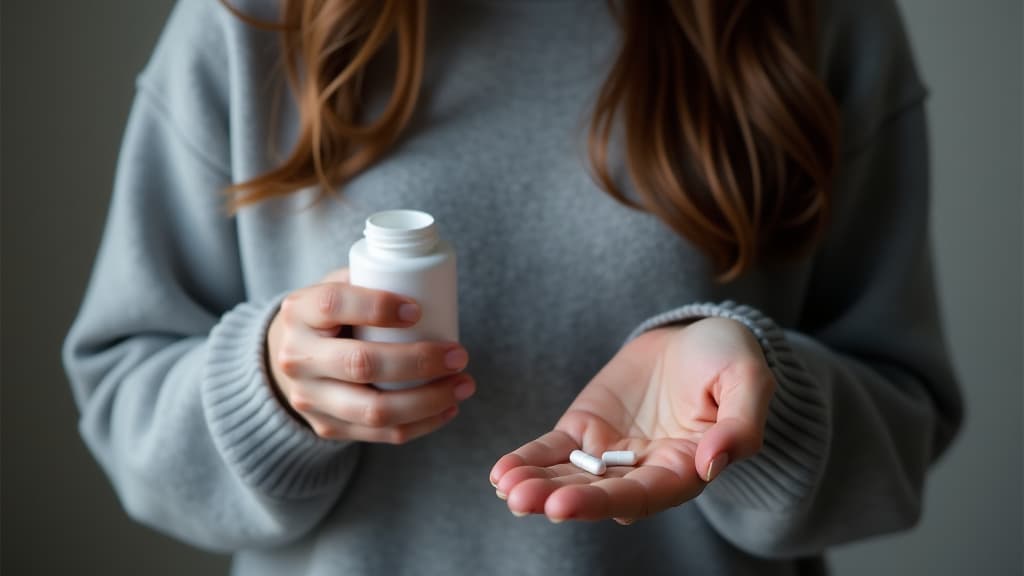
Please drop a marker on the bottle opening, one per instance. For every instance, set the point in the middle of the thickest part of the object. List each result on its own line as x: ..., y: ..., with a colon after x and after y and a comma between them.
x: 400, y: 233
x: 400, y: 220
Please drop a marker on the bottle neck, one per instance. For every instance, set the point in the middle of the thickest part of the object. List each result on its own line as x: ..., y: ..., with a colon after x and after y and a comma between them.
x: 400, y: 234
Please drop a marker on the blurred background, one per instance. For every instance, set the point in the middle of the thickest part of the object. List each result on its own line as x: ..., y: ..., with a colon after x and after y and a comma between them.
x: 67, y: 82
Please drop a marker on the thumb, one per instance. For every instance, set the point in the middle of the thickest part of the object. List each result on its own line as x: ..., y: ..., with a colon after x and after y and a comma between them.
x: 744, y: 394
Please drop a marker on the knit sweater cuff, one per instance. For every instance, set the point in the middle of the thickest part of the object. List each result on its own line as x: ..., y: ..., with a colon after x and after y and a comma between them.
x: 785, y: 473
x: 257, y: 437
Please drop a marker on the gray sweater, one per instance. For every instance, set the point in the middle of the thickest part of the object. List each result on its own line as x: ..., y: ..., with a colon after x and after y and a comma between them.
x: 166, y: 357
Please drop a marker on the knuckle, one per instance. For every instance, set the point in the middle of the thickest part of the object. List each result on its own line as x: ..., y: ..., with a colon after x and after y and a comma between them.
x: 328, y: 300
x: 399, y: 435
x: 300, y: 402
x: 289, y: 366
x: 287, y: 308
x: 424, y: 357
x: 290, y: 360
x: 359, y: 365
x: 324, y: 430
x: 378, y: 309
x: 376, y: 413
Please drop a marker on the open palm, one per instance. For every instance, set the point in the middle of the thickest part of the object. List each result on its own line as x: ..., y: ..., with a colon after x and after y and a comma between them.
x: 687, y: 400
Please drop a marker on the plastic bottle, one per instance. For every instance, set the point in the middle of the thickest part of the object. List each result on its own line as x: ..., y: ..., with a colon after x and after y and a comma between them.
x: 401, y: 252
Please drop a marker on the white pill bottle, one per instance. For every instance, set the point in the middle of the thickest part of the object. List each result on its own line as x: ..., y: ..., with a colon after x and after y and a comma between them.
x: 401, y: 252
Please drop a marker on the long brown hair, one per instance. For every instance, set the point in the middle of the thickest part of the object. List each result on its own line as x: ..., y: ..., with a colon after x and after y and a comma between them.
x: 730, y: 138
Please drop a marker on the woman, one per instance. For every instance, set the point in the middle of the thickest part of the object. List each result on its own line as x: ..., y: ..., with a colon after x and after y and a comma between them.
x: 221, y: 393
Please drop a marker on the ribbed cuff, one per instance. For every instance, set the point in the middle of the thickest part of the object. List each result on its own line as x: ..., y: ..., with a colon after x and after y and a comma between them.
x: 785, y: 472
x: 265, y: 445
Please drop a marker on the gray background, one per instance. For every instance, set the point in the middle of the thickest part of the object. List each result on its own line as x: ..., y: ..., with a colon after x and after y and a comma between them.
x: 67, y: 72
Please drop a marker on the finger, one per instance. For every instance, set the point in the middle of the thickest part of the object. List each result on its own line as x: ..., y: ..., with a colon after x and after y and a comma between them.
x: 333, y: 429
x: 528, y: 496
x: 746, y: 393
x: 561, y: 474
x: 334, y: 304
x: 640, y: 493
x: 366, y: 362
x: 519, y: 474
x: 548, y: 450
x: 372, y: 408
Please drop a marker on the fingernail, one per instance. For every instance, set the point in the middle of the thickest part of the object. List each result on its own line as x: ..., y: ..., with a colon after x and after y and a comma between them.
x: 556, y: 520
x: 500, y: 494
x: 519, y: 514
x: 463, y: 390
x: 716, y: 466
x: 456, y: 359
x: 450, y: 413
x: 408, y: 312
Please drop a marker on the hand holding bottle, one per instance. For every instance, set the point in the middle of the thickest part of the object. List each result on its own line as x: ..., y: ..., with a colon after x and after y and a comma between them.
x: 326, y: 379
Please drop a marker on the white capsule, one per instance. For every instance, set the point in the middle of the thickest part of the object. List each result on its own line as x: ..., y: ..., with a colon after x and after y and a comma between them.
x: 591, y: 464
x: 619, y: 458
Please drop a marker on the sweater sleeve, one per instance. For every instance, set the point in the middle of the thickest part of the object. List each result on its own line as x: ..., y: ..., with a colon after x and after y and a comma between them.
x: 166, y: 355
x: 866, y: 396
